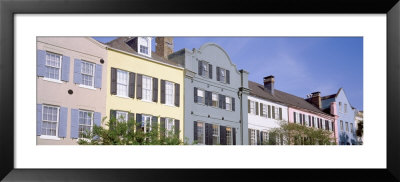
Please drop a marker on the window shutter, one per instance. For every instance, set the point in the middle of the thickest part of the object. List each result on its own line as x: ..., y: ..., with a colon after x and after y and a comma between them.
x: 162, y: 128
x: 207, y: 134
x: 74, y: 123
x: 261, y: 109
x: 258, y: 137
x: 200, y: 66
x: 131, y: 88
x: 97, y: 118
x: 154, y: 123
x: 210, y: 71
x: 139, y: 86
x: 210, y: 133
x: 97, y: 77
x: 220, y: 101
x: 261, y: 137
x: 318, y: 122
x: 113, y: 114
x: 269, y: 111
x: 256, y: 108
x: 177, y: 94
x: 195, y: 94
x: 309, y: 120
x: 294, y: 117
x: 248, y: 106
x: 249, y: 130
x: 177, y: 128
x: 62, y: 125
x: 228, y: 77
x: 155, y: 89
x: 131, y: 118
x: 273, y: 112
x: 162, y: 96
x: 234, y: 136
x: 222, y: 135
x: 138, y: 122
x: 113, y: 86
x: 304, y: 119
x: 233, y: 104
x: 65, y: 68
x: 280, y: 113
x: 195, y: 131
x: 39, y: 119
x: 333, y: 127
x: 218, y: 77
x: 77, y: 71
x: 40, y: 61
x: 224, y: 102
x: 207, y: 98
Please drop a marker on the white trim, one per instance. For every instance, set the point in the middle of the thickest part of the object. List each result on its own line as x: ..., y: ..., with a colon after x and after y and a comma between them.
x: 88, y: 87
x: 47, y: 137
x: 52, y: 80
x: 94, y: 72
x: 57, y: 123
x: 125, y: 97
x: 59, y: 69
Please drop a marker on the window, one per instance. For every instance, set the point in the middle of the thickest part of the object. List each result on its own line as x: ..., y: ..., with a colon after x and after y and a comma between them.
x: 144, y: 45
x: 147, y: 88
x: 53, y: 66
x: 347, y: 126
x: 122, y: 83
x: 121, y: 116
x: 200, y: 132
x: 228, y: 136
x: 228, y: 103
x: 200, y: 96
x: 85, y: 123
x: 253, y: 137
x: 345, y: 108
x: 169, y: 125
x: 146, y: 123
x: 351, y: 128
x: 215, y: 134
x: 204, y: 67
x: 214, y: 100
x: 313, y: 123
x: 341, y: 125
x: 265, y: 137
x: 169, y: 93
x: 222, y: 75
x: 264, y: 110
x: 87, y: 70
x: 144, y: 49
x: 340, y: 106
x: 50, y: 119
x: 252, y: 107
x: 294, y: 117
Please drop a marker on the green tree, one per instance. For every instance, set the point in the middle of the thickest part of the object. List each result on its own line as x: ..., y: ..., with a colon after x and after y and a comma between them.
x: 360, y: 129
x: 128, y: 133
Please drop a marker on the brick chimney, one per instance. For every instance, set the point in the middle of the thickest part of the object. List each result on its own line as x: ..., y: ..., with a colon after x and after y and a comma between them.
x: 316, y: 99
x: 164, y: 46
x: 269, y: 82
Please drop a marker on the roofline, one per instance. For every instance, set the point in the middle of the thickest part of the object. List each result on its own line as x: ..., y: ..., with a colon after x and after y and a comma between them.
x: 104, y: 46
x: 143, y: 57
x: 269, y: 100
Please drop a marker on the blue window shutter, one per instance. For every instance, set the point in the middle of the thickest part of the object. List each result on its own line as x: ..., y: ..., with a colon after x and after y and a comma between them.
x: 97, y: 118
x: 97, y: 77
x: 62, y: 125
x: 77, y: 71
x: 41, y: 61
x: 74, y: 123
x: 65, y: 69
x: 38, y: 119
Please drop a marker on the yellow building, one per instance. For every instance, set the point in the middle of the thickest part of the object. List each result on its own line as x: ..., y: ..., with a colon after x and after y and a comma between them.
x: 145, y: 83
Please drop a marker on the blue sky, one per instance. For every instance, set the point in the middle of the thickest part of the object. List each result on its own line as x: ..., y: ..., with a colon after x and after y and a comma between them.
x: 301, y: 65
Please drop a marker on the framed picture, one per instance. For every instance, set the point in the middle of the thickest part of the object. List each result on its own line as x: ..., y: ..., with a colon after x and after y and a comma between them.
x: 24, y: 35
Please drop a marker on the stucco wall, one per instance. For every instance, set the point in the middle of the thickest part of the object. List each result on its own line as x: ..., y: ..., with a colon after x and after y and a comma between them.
x: 53, y: 93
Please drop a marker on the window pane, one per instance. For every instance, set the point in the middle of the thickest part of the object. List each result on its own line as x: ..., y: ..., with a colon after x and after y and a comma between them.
x: 215, y: 134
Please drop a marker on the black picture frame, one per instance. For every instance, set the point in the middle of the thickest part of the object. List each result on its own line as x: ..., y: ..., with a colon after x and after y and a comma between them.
x: 9, y: 8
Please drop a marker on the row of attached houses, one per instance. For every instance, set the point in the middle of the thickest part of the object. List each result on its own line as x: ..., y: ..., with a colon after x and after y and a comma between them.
x: 198, y: 94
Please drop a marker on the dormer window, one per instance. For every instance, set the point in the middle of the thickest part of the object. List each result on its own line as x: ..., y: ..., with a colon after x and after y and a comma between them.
x: 144, y: 45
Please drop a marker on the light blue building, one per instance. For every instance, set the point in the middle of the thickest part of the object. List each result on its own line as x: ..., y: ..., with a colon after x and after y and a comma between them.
x: 346, y: 125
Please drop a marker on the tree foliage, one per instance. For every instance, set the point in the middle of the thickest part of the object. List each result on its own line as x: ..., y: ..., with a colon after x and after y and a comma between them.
x: 128, y: 133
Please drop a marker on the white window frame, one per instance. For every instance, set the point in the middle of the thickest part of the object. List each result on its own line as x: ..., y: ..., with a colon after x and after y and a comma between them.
x: 148, y: 41
x: 228, y: 104
x: 222, y: 71
x: 203, y: 97
x: 229, y: 138
x: 252, y: 107
x: 205, y: 69
x: 218, y: 135
x: 172, y: 96
x: 119, y: 91
x: 146, y: 91
x: 202, y: 132
x: 121, y: 113
x: 57, y: 122
x: 46, y: 65
x: 212, y: 99
x: 79, y: 124
x: 144, y: 122
x: 169, y: 128
x: 264, y: 110
x: 93, y: 72
x: 253, y: 138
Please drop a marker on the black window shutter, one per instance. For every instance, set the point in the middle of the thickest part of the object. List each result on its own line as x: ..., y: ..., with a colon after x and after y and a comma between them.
x: 207, y: 134
x: 222, y: 135
x: 131, y: 85
x: 162, y: 96
x: 220, y: 101
x: 304, y: 119
x: 155, y: 89
x: 131, y: 117
x: 256, y: 108
x: 210, y: 71
x: 333, y: 127
x: 195, y: 94
x: 258, y: 137
x: 207, y: 98
x: 223, y: 102
x: 227, y: 77
x: 248, y: 106
x: 249, y: 130
x: 154, y: 123
x: 300, y: 119
x: 318, y: 122
x: 273, y: 112
x: 195, y: 131
x: 233, y: 104
x: 280, y: 113
x: 218, y: 73
x: 261, y: 109
x: 261, y: 137
x: 113, y: 85
x: 294, y: 117
x: 138, y: 122
x: 139, y: 86
x: 200, y: 70
x: 177, y: 94
x: 269, y: 111
x: 234, y: 136
x: 210, y: 133
x: 177, y: 128
x: 162, y: 127
x: 309, y: 120
x: 113, y: 114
